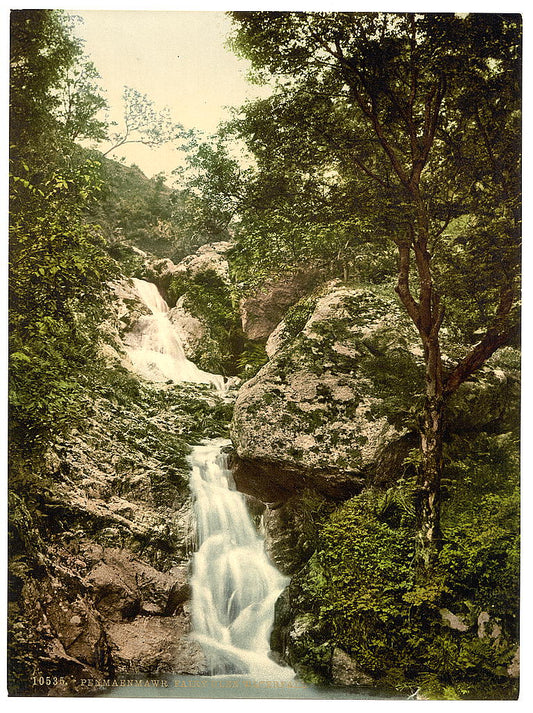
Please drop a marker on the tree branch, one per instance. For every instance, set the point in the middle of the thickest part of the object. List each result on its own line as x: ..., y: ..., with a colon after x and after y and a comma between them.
x: 498, y: 335
x: 402, y: 287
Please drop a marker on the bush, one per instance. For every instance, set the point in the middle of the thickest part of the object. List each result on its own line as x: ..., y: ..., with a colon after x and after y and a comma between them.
x: 361, y: 590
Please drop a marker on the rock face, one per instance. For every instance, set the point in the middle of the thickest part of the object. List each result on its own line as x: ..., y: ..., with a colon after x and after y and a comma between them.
x: 320, y: 408
x: 200, y: 293
x: 210, y: 257
x: 192, y: 330
x: 155, y: 646
x: 103, y: 600
x: 345, y: 672
x: 107, y: 588
x: 263, y: 311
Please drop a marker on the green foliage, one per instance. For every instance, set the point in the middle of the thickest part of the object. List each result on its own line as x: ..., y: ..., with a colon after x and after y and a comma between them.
x: 302, y: 204
x: 41, y: 51
x: 79, y: 95
x: 366, y: 566
x: 361, y: 589
x: 58, y: 273
x: 296, y: 317
x: 209, y: 298
x: 131, y: 263
x: 210, y: 189
x: 54, y: 95
x: 394, y: 132
x: 251, y: 359
x: 58, y: 267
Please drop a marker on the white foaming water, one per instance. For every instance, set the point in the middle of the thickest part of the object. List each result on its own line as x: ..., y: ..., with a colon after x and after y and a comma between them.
x: 234, y: 586
x: 154, y: 346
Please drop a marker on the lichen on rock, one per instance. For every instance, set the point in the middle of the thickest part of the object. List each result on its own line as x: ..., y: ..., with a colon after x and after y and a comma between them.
x: 321, y: 402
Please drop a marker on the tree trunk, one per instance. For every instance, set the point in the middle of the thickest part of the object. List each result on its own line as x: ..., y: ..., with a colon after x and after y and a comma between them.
x: 428, y: 536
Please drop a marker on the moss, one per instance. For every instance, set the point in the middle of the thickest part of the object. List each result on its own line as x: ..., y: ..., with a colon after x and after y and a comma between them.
x: 359, y: 591
x: 210, y: 299
x: 297, y: 316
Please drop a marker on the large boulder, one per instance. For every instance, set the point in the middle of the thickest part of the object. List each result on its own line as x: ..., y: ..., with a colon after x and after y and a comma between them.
x: 210, y: 257
x: 154, y: 646
x: 335, y: 406
x: 327, y: 404
x: 123, y: 586
x: 263, y: 310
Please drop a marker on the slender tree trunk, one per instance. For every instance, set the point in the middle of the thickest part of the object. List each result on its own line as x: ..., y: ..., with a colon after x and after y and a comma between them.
x: 428, y: 536
x: 427, y: 314
x: 428, y: 496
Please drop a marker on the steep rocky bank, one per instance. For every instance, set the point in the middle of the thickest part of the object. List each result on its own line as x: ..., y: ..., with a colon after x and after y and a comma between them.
x: 325, y: 428
x: 102, y: 583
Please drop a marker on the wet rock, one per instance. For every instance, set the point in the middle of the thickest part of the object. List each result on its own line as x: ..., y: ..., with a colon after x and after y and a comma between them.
x: 191, y: 329
x: 122, y: 585
x: 78, y: 628
x: 155, y: 645
x: 274, y: 483
x: 329, y: 406
x: 345, y: 672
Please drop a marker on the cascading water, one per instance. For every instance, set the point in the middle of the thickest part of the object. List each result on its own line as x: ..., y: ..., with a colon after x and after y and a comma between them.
x: 234, y: 585
x: 154, y: 346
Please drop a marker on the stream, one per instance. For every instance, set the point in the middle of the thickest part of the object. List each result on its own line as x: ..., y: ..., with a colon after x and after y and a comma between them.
x: 154, y: 346
x: 234, y: 585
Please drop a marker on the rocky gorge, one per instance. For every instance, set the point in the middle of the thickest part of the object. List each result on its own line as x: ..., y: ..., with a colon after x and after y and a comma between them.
x: 321, y: 432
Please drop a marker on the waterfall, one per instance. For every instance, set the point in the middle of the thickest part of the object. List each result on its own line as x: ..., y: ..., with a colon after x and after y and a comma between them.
x: 155, y: 348
x: 234, y: 585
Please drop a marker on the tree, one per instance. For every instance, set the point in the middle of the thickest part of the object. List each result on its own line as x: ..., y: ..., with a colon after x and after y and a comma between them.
x: 430, y: 119
x: 58, y: 265
x: 211, y: 189
x: 304, y: 193
x: 142, y: 123
x: 80, y: 103
x: 40, y: 51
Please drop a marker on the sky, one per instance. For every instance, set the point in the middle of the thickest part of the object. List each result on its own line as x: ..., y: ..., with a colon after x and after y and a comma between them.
x: 178, y: 59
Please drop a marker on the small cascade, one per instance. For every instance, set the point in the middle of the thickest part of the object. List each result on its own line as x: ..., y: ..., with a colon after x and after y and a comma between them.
x: 234, y: 585
x: 155, y: 348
